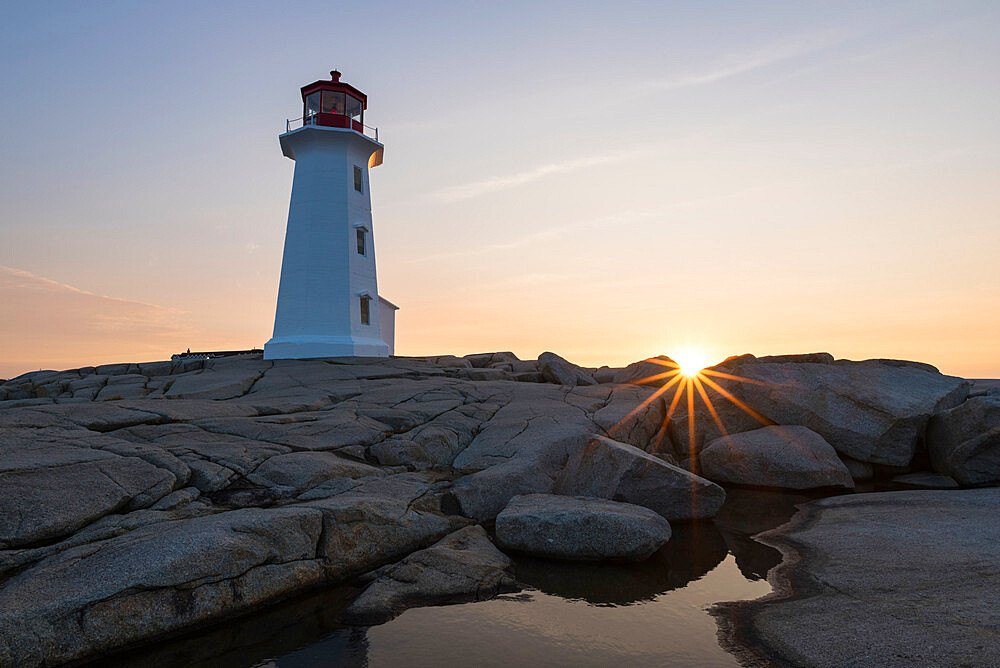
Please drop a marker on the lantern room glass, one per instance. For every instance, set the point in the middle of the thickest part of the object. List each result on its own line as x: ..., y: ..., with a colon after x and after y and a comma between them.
x: 355, y: 109
x: 333, y: 103
x: 312, y: 105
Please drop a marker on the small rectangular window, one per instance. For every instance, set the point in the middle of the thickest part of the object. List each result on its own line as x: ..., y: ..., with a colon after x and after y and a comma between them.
x: 361, y: 241
x: 357, y: 178
x: 365, y: 311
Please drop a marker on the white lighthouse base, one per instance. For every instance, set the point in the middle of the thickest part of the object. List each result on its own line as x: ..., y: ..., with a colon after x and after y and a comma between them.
x: 306, y: 347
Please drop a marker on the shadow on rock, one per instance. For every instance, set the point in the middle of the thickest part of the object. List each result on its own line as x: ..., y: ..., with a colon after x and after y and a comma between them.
x: 303, y: 632
x: 693, y: 550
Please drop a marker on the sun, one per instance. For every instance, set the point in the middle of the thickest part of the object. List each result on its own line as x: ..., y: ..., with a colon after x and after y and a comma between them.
x: 689, y: 373
x: 691, y: 361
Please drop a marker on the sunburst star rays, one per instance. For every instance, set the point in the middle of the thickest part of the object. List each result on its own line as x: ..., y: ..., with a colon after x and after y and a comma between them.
x: 688, y: 380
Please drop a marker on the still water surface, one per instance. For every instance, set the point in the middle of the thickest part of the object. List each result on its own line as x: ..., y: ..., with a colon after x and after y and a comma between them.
x: 654, y: 613
x: 536, y: 628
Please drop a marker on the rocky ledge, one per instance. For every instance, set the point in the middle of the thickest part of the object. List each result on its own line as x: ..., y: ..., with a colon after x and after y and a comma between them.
x: 140, y: 500
x: 889, y: 579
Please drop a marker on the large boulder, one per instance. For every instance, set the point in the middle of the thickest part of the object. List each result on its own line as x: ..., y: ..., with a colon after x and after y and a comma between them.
x: 526, y: 444
x: 462, y: 566
x: 485, y: 360
x: 484, y: 494
x: 560, y: 371
x: 964, y: 442
x: 607, y: 469
x: 871, y: 411
x: 791, y: 457
x: 153, y: 580
x: 578, y: 528
x: 654, y: 371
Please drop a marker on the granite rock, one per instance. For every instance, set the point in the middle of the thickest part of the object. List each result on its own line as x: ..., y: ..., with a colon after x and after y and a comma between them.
x: 580, y: 528
x: 899, y: 579
x: 654, y: 371
x: 606, y: 469
x: 153, y: 580
x: 791, y: 457
x: 872, y: 412
x: 558, y: 370
x: 964, y: 442
x: 462, y: 566
x: 149, y: 499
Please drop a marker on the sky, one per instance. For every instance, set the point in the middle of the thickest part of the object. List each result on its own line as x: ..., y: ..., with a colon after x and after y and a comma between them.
x: 608, y: 181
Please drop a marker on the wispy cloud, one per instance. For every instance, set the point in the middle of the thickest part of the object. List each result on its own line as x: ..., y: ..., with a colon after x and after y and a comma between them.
x: 44, y: 323
x: 740, y: 63
x: 493, y: 184
x: 18, y: 279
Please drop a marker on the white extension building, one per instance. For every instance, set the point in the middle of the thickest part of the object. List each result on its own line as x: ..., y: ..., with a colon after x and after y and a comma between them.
x: 328, y: 301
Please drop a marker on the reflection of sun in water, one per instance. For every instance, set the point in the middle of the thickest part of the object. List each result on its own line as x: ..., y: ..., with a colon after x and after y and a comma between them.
x: 691, y: 361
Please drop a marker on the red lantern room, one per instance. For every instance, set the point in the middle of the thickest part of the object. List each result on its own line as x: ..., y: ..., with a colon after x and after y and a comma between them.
x: 334, y: 104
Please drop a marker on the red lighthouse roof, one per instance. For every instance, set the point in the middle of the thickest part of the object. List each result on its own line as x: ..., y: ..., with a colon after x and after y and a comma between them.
x: 334, y: 104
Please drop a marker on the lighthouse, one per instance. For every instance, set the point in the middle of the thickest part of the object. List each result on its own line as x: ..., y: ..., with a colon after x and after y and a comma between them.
x: 328, y: 301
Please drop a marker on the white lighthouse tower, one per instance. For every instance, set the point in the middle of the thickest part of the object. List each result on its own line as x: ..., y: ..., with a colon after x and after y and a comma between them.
x: 328, y: 303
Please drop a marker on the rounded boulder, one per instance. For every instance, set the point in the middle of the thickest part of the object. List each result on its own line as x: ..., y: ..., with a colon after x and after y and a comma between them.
x: 580, y: 528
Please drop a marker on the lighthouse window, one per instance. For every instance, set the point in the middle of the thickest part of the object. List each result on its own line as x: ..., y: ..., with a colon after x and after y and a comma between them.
x: 357, y: 178
x: 361, y: 241
x: 354, y: 108
x: 365, y: 311
x: 333, y: 102
x: 312, y: 105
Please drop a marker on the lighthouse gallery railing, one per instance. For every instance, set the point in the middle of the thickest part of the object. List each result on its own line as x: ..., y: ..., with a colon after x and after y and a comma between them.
x: 296, y: 123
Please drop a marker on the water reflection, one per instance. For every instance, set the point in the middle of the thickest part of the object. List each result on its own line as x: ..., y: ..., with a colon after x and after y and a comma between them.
x: 586, y: 614
x: 345, y: 647
x: 747, y: 512
x: 693, y: 550
x: 303, y: 632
